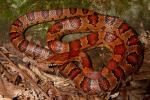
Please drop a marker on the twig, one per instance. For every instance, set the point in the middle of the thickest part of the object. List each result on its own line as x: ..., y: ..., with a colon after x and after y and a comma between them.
x: 25, y: 75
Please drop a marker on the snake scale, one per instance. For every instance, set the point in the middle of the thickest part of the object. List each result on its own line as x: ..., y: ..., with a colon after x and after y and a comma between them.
x: 106, y: 31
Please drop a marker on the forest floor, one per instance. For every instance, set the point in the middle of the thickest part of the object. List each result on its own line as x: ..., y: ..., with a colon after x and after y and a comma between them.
x: 22, y: 78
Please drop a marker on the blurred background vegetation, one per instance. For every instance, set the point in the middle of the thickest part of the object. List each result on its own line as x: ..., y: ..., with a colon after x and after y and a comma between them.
x: 134, y: 12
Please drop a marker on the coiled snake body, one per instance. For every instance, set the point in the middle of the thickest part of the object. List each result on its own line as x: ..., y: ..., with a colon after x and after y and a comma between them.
x: 106, y: 31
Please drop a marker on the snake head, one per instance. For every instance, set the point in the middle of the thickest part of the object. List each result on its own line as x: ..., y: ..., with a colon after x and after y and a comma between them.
x: 56, y: 60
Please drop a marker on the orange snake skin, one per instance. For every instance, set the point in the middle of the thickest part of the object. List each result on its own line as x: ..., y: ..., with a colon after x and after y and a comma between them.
x: 106, y: 31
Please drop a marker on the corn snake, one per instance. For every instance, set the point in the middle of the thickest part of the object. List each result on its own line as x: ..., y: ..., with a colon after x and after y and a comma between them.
x: 108, y: 31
